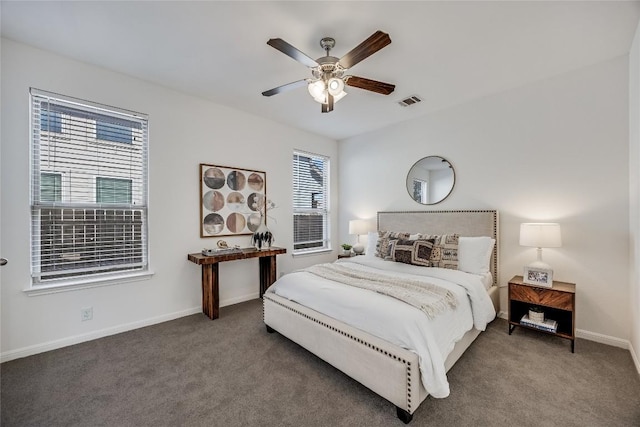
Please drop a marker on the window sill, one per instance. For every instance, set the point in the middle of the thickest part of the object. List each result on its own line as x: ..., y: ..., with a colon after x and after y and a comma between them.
x: 313, y: 252
x: 79, y: 284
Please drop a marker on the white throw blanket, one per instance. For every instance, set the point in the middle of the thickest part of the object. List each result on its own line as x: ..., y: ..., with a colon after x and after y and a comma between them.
x: 422, y: 294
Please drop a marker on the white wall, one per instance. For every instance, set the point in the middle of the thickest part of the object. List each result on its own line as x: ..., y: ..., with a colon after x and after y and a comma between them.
x: 634, y: 195
x: 184, y: 131
x: 555, y: 150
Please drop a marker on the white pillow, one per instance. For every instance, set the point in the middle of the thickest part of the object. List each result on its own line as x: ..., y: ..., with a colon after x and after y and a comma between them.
x: 372, y: 240
x: 474, y: 254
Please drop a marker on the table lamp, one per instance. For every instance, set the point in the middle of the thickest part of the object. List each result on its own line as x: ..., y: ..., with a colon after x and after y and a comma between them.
x: 540, y: 235
x: 358, y: 227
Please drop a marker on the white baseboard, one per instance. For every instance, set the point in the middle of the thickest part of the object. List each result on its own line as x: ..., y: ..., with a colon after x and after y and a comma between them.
x: 603, y: 339
x: 77, y: 339
x: 634, y: 356
x: 238, y: 300
x: 592, y: 336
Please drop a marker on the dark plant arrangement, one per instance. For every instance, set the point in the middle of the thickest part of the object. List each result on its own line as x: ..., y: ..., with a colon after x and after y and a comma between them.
x: 262, y: 238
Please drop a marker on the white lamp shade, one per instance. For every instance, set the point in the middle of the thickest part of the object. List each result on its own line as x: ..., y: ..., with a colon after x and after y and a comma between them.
x: 360, y: 226
x: 322, y: 98
x: 540, y: 235
x: 339, y: 96
x: 335, y: 86
x: 316, y: 89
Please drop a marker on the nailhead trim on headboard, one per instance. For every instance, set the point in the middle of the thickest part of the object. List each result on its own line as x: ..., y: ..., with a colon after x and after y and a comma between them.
x: 359, y: 341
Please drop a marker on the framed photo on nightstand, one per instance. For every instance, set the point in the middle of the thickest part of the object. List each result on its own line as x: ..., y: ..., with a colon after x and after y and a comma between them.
x: 538, y: 276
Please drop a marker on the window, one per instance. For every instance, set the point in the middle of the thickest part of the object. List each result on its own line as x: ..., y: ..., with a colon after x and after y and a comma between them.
x: 310, y: 202
x: 95, y: 227
x: 114, y: 132
x: 420, y: 190
x: 113, y: 190
x: 51, y: 187
x: 50, y: 121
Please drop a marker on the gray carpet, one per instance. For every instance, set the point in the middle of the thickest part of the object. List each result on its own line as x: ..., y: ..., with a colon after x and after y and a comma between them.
x: 230, y: 372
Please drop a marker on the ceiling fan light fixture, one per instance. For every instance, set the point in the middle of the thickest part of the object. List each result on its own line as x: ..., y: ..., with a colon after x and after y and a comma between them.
x: 327, y: 83
x: 322, y: 99
x: 335, y: 86
x: 339, y: 96
x: 318, y: 90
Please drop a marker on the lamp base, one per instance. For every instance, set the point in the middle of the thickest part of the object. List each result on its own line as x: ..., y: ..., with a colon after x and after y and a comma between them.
x: 539, y: 264
x: 358, y: 248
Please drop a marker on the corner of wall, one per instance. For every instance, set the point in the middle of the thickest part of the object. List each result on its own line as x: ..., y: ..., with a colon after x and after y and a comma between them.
x: 634, y: 356
x: 634, y: 196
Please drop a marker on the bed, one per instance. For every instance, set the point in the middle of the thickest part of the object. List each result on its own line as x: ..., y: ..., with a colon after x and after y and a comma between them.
x: 373, y: 338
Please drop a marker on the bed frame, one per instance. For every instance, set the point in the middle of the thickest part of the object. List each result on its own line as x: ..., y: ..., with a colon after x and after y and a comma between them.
x: 390, y: 371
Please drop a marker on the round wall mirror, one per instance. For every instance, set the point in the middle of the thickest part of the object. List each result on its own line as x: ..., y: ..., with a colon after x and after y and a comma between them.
x: 430, y: 180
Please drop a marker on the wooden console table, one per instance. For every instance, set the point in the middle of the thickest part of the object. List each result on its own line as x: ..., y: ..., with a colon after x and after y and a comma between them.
x: 210, y: 299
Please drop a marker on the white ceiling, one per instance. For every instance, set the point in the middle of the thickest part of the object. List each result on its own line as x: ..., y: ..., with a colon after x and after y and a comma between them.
x: 446, y: 52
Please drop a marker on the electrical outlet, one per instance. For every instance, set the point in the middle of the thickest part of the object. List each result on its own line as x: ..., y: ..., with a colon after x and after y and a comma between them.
x: 86, y: 314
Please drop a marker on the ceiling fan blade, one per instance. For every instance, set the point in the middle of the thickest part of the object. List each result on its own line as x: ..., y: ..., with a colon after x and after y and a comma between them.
x: 291, y: 51
x: 374, y: 43
x: 368, y: 84
x: 284, y: 88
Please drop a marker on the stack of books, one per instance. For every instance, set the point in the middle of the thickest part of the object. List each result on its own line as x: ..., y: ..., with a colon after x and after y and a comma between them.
x: 548, y: 325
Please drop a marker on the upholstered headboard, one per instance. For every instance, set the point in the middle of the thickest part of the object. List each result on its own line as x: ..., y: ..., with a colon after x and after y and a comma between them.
x: 465, y: 223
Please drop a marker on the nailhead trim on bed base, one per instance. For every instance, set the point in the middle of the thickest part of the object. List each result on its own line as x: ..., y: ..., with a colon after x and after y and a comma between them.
x: 359, y: 341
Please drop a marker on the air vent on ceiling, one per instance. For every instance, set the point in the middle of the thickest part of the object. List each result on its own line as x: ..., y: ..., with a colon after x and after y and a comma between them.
x: 414, y: 99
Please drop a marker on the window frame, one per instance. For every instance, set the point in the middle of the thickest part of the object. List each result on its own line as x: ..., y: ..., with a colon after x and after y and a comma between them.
x: 424, y: 190
x: 324, y: 210
x: 131, y: 261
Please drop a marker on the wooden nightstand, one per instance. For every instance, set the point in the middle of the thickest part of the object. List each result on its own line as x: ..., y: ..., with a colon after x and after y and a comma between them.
x: 558, y: 303
x: 349, y: 256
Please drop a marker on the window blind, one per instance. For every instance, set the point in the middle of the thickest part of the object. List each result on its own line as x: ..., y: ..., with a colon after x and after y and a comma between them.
x: 310, y: 202
x: 88, y: 189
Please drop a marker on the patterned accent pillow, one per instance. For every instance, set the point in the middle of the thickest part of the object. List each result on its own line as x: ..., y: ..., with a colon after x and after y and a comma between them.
x: 392, y: 245
x: 385, y: 242
x: 445, y: 250
x: 415, y: 252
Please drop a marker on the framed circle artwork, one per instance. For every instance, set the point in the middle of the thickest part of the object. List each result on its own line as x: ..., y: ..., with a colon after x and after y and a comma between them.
x: 232, y: 200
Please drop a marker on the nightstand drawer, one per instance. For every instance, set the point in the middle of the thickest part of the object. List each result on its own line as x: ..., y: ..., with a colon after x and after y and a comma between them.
x: 541, y: 296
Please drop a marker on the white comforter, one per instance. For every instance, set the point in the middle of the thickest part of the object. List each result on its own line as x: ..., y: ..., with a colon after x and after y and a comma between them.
x: 394, y: 320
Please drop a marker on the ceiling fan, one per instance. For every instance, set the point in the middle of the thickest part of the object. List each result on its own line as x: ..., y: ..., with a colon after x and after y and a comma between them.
x: 328, y: 79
